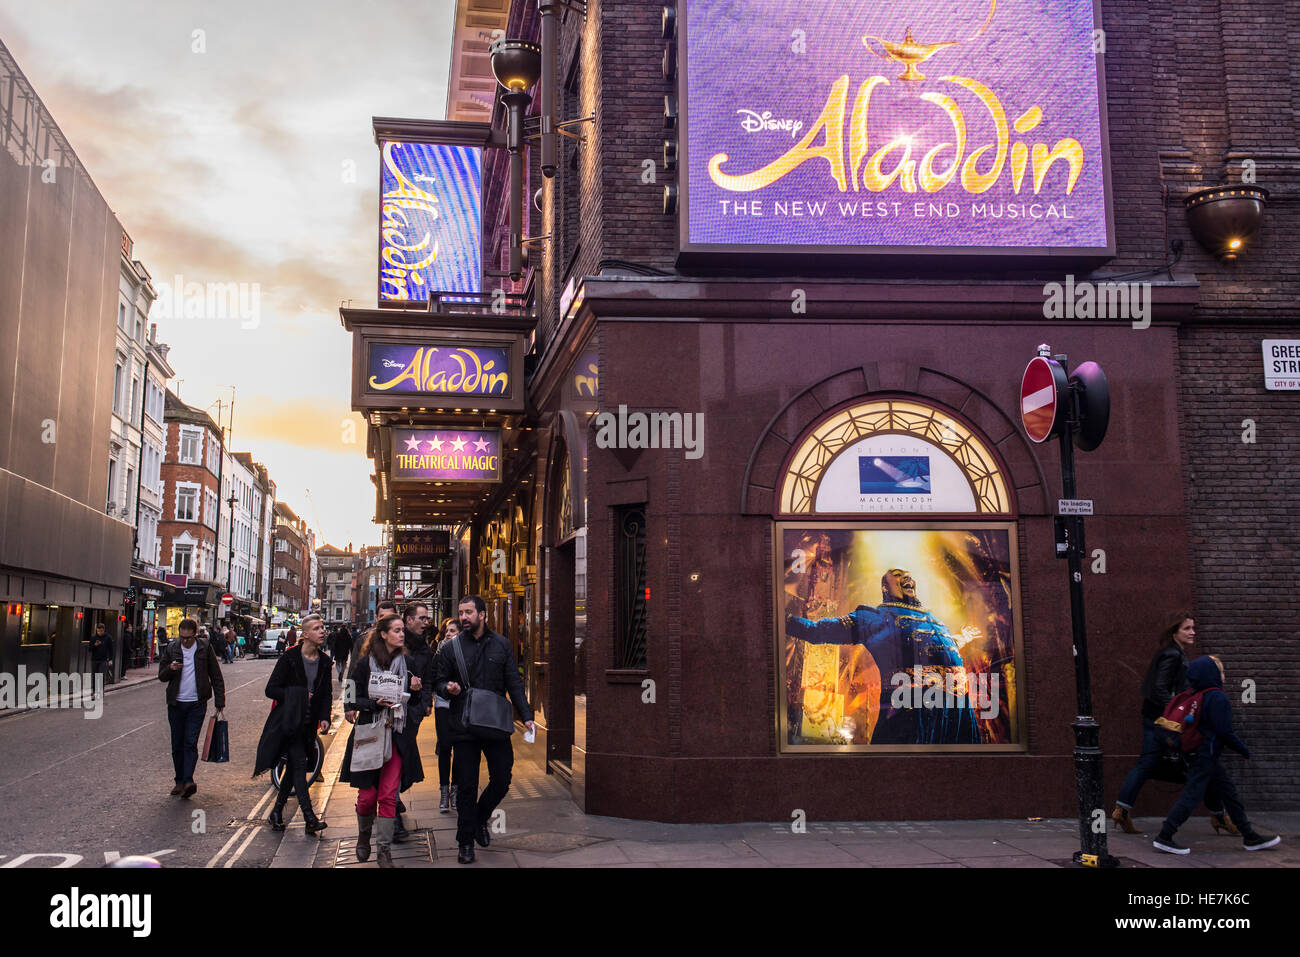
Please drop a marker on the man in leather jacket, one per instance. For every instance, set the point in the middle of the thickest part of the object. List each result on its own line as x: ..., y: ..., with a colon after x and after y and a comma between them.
x: 490, y: 663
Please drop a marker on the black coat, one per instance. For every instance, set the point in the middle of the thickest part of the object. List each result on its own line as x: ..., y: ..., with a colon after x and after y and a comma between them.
x: 291, y: 714
x: 1166, y: 676
x: 404, y: 742
x: 490, y: 662
x: 419, y: 658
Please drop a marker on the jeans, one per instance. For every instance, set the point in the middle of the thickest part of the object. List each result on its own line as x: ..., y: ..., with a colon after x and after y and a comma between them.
x: 186, y: 720
x: 471, y: 809
x: 1152, y: 745
x: 295, y: 778
x: 383, y: 798
x: 1206, y: 780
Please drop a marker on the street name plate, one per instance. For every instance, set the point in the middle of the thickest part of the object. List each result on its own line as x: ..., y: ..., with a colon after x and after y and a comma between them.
x: 1074, y: 506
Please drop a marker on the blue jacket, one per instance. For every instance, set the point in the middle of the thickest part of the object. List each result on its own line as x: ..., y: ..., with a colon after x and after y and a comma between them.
x: 1216, y: 710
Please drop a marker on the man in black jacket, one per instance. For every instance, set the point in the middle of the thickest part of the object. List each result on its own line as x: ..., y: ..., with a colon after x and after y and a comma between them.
x: 490, y: 663
x: 192, y: 673
x: 101, y: 651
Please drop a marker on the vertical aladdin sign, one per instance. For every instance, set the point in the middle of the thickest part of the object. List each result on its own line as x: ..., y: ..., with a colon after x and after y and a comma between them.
x: 908, y: 126
x: 430, y: 229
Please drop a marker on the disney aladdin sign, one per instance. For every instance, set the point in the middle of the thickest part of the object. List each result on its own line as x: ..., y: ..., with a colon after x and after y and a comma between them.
x: 446, y: 455
x: 435, y: 369
x: 907, y: 126
x: 430, y: 230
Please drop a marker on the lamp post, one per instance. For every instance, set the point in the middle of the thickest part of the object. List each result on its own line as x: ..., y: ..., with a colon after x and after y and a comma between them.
x: 517, y: 65
x: 230, y: 561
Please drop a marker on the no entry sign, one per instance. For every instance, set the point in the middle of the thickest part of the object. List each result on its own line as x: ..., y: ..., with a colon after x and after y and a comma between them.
x: 399, y: 594
x: 1043, y: 392
x: 227, y: 599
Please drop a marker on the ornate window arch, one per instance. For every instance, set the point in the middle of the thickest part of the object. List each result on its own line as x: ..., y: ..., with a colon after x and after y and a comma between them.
x: 955, y: 454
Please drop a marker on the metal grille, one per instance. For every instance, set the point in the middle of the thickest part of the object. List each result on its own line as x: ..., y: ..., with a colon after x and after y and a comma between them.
x: 630, y: 588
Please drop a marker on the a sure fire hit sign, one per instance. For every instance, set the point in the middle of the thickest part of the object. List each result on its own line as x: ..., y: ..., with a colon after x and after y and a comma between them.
x: 1281, y: 364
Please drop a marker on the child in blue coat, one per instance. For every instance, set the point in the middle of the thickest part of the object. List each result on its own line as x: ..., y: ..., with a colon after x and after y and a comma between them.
x: 1204, y: 770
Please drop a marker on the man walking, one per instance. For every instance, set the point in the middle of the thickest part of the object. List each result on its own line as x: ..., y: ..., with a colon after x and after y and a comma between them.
x: 489, y: 665
x: 341, y: 648
x: 193, y: 674
x: 101, y: 652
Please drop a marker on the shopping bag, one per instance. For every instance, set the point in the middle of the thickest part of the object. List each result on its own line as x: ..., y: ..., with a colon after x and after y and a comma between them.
x: 216, y: 741
x: 371, y: 746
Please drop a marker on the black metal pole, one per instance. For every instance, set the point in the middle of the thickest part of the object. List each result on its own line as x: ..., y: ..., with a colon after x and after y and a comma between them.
x: 1087, y: 732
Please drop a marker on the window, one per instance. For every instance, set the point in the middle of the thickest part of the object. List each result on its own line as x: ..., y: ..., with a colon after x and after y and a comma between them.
x: 135, y: 400
x: 117, y: 385
x: 112, y: 480
x: 187, y: 499
x: 183, y: 560
x: 190, y: 446
x: 630, y: 587
x: 129, y: 498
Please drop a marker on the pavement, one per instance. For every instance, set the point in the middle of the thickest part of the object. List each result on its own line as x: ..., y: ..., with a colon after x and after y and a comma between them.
x: 541, y: 826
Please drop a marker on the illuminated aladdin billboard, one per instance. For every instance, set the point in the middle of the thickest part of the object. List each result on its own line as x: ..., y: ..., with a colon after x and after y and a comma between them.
x: 429, y: 369
x: 909, y: 126
x: 430, y: 222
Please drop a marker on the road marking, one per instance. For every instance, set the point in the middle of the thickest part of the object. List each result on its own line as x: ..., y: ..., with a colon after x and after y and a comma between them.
x: 256, y: 812
x: 78, y: 755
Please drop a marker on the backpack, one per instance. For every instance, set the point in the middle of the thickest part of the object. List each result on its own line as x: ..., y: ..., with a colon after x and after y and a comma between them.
x: 1180, y: 720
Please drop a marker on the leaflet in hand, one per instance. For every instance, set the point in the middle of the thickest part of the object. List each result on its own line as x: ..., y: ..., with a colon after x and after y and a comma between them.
x: 386, y: 686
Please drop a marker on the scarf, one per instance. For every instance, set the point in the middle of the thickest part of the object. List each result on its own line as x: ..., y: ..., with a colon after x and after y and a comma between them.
x: 397, y: 713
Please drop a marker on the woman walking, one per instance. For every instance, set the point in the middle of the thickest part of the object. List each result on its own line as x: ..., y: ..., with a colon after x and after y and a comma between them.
x: 1166, y: 676
x: 301, y: 687
x: 382, y: 757
x: 442, y: 725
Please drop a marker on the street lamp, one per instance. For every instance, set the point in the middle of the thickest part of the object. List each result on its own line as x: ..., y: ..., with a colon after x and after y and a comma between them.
x: 230, y: 561
x: 517, y: 65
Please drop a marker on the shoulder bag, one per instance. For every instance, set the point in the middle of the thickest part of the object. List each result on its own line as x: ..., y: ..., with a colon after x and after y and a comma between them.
x: 487, y: 714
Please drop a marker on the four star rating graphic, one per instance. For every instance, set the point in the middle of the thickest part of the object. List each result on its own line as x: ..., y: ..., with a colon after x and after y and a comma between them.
x: 435, y: 444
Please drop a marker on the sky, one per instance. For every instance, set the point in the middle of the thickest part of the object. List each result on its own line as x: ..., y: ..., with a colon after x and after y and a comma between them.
x: 233, y: 141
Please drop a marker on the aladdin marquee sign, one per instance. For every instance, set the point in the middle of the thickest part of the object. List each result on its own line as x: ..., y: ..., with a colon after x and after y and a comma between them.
x: 437, y: 370
x: 901, y: 127
x: 446, y: 455
x: 430, y: 229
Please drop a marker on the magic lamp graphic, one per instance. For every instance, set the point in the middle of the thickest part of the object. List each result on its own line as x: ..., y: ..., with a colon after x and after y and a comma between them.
x: 911, y: 52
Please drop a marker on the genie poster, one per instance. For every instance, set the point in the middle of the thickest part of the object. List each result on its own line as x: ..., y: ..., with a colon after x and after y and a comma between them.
x: 430, y: 229
x: 895, y: 125
x: 898, y: 637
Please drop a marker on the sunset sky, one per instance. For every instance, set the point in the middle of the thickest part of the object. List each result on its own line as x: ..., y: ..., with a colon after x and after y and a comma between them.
x: 244, y: 154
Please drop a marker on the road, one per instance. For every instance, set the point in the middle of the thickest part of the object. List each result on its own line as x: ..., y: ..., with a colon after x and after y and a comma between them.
x: 81, y: 792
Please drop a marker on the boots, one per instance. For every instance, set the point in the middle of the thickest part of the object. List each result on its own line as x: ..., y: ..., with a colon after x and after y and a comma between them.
x: 277, y: 814
x: 444, y: 799
x: 1220, y: 822
x: 453, y: 797
x: 384, y: 841
x: 1121, y: 817
x: 364, y: 824
x: 313, y: 824
x: 400, y: 833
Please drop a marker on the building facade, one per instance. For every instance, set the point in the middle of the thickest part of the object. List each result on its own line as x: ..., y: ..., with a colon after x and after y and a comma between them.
x: 290, y: 587
x: 336, y: 568
x: 64, y: 561
x: 188, y: 549
x: 763, y: 478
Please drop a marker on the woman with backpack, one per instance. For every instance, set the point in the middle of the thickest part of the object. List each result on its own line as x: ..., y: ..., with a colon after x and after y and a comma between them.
x: 1166, y: 676
x: 1212, y: 724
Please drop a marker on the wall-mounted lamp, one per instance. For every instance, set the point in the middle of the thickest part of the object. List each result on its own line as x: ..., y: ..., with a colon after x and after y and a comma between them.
x: 517, y: 65
x: 670, y: 200
x: 670, y: 154
x: 670, y: 23
x: 670, y: 111
x: 670, y: 60
x: 1224, y: 219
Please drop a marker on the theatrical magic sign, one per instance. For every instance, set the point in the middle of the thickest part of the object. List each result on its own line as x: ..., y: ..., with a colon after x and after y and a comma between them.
x: 430, y: 221
x: 902, y: 127
x: 446, y: 455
